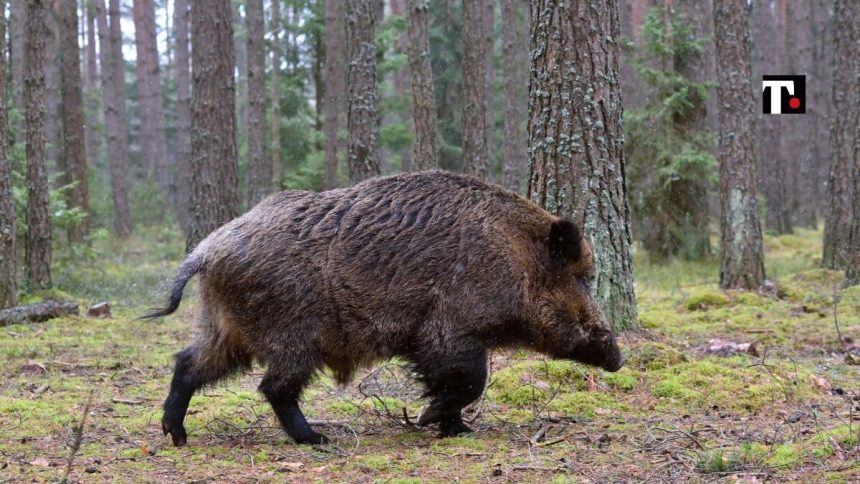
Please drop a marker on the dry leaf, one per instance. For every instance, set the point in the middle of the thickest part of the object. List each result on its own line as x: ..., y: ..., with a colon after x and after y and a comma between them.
x: 293, y: 465
x: 602, y: 411
x: 40, y: 461
x: 820, y: 383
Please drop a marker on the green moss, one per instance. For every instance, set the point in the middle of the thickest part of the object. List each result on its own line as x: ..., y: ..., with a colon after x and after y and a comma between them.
x: 706, y: 298
x: 623, y: 380
x: 583, y: 404
x: 785, y: 455
x: 654, y: 356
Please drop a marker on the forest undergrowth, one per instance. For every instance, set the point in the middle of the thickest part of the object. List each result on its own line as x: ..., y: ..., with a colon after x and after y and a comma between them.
x: 717, y: 386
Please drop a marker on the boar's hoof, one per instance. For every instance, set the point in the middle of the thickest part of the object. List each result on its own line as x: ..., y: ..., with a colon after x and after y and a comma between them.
x: 177, y: 433
x: 452, y: 428
x: 311, y: 438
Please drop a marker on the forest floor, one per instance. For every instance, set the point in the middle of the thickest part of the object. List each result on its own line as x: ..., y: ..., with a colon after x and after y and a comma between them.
x: 787, y: 409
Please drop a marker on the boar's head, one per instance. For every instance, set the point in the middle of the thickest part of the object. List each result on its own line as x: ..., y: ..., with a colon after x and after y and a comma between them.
x: 570, y: 323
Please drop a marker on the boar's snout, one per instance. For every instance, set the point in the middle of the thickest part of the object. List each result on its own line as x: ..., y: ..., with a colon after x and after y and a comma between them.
x: 614, y: 359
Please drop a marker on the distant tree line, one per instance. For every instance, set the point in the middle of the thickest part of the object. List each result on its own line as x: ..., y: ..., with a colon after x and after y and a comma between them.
x: 639, y: 119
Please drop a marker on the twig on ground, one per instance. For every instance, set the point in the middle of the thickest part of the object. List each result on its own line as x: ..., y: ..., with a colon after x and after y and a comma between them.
x: 79, y: 436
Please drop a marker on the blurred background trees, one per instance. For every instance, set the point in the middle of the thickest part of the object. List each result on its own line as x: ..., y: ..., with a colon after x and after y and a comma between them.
x: 118, y: 114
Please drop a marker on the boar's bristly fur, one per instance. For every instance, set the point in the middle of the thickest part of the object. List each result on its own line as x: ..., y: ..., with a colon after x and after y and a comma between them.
x: 434, y: 267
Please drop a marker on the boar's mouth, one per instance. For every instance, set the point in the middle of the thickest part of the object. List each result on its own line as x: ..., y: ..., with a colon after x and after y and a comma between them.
x: 601, y: 351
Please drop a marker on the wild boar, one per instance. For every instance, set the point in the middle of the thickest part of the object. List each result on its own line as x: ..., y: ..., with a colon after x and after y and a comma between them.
x: 433, y: 267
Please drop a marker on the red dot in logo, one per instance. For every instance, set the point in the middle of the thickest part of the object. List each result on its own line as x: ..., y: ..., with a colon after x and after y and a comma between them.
x: 794, y: 103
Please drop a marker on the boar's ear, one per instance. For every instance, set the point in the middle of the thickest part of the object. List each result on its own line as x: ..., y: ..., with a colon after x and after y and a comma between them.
x: 565, y: 242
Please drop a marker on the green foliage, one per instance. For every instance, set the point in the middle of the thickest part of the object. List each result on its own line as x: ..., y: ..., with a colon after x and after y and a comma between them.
x: 670, y: 163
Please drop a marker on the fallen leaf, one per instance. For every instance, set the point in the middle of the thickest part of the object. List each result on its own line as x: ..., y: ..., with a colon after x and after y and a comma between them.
x: 602, y: 411
x: 820, y: 383
x: 40, y: 461
x: 293, y: 465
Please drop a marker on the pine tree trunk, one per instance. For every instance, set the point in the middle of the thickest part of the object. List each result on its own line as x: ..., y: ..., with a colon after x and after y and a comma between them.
x: 490, y: 81
x: 91, y: 89
x: 38, y: 246
x: 846, y: 65
x: 741, y: 253
x: 575, y: 138
x: 116, y: 122
x: 476, y: 159
x: 769, y: 46
x: 852, y: 271
x: 183, y: 109
x: 424, y: 150
x: 276, y: 95
x: 241, y: 55
x: 55, y: 153
x: 214, y: 200
x: 259, y: 174
x: 334, y: 88
x: 819, y: 84
x: 515, y: 52
x: 17, y: 46
x: 73, y: 118
x: 8, y: 261
x: 363, y: 111
x: 402, y: 85
x: 800, y: 147
x: 152, y: 139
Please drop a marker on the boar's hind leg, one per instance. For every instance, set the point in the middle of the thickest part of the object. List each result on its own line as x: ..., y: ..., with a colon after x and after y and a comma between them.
x: 188, y: 376
x: 283, y: 389
x: 452, y: 383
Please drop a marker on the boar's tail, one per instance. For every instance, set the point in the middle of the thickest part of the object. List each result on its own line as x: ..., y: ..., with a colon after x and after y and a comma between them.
x: 187, y: 270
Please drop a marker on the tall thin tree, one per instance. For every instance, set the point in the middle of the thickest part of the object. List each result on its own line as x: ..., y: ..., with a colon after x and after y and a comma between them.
x: 846, y: 64
x: 515, y: 54
x: 575, y: 138
x: 476, y: 157
x: 423, y: 100
x: 213, y: 198
x: 91, y: 90
x: 73, y: 118
x: 116, y: 121
x: 183, y: 107
x: 741, y: 253
x: 276, y: 95
x: 8, y: 262
x: 38, y: 246
x: 153, y: 147
x: 334, y: 87
x: 259, y: 175
x: 363, y: 111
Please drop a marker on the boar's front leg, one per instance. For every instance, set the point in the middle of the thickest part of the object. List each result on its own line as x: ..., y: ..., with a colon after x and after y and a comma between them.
x: 283, y: 389
x: 453, y: 382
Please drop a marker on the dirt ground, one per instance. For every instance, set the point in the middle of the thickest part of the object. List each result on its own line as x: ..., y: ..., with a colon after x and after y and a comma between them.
x: 685, y: 407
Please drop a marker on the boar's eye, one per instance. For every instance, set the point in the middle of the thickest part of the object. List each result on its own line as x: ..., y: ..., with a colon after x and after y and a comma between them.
x: 565, y: 243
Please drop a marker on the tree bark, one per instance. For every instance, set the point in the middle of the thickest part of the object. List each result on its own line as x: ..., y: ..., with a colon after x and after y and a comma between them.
x: 769, y: 44
x: 515, y: 52
x: 846, y: 64
x: 152, y: 140
x: 424, y: 150
x: 476, y: 160
x: 35, y: 313
x: 363, y: 112
x: 490, y: 81
x: 334, y: 87
x: 402, y: 86
x: 17, y: 46
x: 575, y: 138
x: 8, y: 260
x: 214, y: 200
x: 276, y: 95
x: 73, y: 118
x: 741, y: 253
x: 91, y: 88
x: 116, y: 121
x: 38, y: 246
x: 241, y: 56
x: 54, y: 151
x: 259, y: 174
x: 183, y: 108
